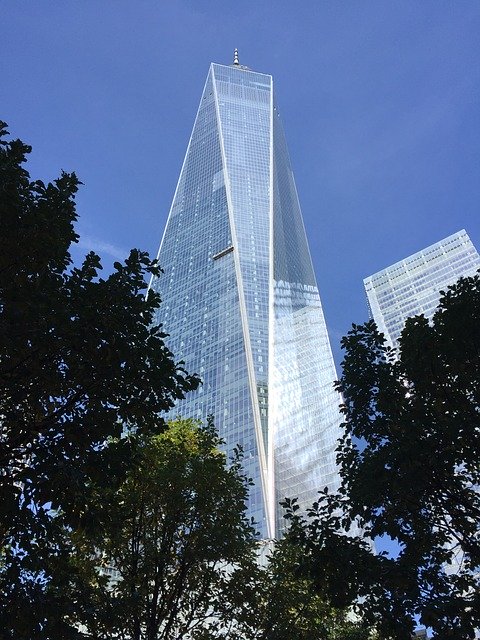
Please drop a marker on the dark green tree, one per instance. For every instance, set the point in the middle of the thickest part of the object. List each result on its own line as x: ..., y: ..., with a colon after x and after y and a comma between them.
x: 176, y: 534
x: 277, y: 600
x: 80, y: 361
x: 410, y: 467
x: 338, y: 559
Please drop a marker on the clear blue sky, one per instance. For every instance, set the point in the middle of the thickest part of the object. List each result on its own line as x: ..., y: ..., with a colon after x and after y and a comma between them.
x: 379, y: 99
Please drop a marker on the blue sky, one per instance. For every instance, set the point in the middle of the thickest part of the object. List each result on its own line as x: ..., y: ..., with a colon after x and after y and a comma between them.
x: 379, y: 99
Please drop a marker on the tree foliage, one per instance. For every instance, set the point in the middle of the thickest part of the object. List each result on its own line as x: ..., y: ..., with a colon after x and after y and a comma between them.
x: 279, y: 601
x: 80, y: 360
x: 410, y: 467
x: 112, y: 525
x: 176, y: 533
x: 185, y: 561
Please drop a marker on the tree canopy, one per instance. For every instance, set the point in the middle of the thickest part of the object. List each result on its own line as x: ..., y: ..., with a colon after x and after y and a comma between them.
x: 176, y: 533
x: 278, y: 601
x: 113, y: 524
x: 410, y: 468
x: 80, y: 361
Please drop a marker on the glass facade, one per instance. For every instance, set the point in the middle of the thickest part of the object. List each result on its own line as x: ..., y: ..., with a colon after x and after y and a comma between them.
x: 411, y: 287
x: 240, y: 301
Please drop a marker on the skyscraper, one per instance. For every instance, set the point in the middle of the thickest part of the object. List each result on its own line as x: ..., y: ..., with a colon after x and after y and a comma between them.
x: 240, y: 299
x: 411, y: 287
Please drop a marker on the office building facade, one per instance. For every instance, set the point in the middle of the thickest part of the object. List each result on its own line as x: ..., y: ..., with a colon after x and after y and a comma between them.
x: 412, y: 286
x: 240, y: 301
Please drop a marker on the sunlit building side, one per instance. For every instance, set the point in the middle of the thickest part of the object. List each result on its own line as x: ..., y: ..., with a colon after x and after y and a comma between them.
x: 412, y: 286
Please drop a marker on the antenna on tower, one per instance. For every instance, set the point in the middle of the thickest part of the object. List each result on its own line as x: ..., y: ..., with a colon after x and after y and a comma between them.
x: 235, y: 58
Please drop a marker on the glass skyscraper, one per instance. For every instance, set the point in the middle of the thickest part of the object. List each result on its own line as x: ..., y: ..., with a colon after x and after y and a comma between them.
x: 411, y: 287
x: 240, y: 301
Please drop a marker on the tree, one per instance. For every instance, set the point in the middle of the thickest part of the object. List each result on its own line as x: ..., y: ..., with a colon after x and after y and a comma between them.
x: 337, y: 558
x: 410, y: 467
x: 176, y: 533
x: 278, y: 601
x: 80, y: 361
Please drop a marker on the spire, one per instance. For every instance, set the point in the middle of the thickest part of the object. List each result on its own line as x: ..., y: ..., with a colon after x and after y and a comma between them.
x: 235, y: 58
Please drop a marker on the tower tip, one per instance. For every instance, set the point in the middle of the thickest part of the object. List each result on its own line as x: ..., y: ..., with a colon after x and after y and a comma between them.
x: 235, y: 58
